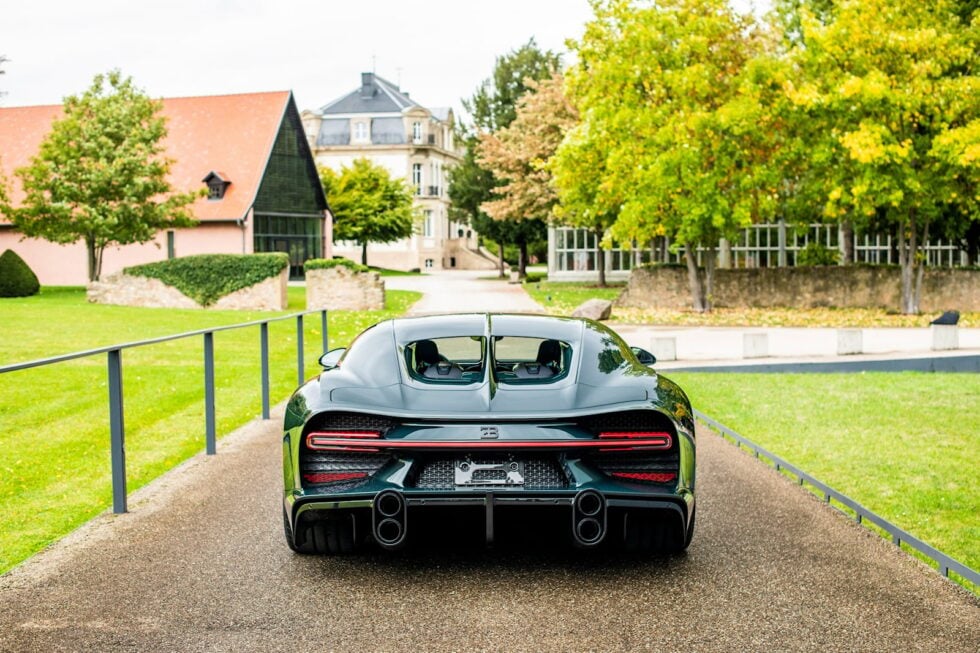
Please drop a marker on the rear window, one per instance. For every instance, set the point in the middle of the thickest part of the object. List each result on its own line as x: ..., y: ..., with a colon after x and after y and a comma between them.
x: 447, y: 360
x: 519, y: 359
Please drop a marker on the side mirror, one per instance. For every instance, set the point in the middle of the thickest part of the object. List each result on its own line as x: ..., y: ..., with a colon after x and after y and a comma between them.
x: 644, y: 356
x: 332, y: 358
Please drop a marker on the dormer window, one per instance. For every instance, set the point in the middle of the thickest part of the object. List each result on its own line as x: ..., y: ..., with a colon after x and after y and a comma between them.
x: 360, y: 131
x: 217, y: 183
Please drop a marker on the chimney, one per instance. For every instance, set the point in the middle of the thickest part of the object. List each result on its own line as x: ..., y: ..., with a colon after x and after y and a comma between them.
x: 367, y: 85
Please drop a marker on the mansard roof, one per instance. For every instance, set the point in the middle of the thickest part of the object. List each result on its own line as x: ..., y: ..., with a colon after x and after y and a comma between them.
x: 375, y: 95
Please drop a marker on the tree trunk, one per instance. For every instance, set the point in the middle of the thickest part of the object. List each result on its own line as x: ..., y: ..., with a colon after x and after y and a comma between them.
x: 709, y: 278
x: 847, y: 242
x: 600, y: 259
x: 522, y: 259
x: 500, y: 259
x: 94, y: 259
x: 908, y: 255
x: 364, y: 253
x: 694, y: 280
x: 920, y: 270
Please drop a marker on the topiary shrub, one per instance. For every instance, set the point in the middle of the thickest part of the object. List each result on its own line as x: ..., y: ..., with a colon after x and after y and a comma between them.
x: 17, y: 279
x: 206, y: 278
x: 327, y: 263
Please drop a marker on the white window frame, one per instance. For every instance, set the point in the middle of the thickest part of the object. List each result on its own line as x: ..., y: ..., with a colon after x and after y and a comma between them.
x: 361, y: 132
x: 427, y: 224
x: 417, y: 177
x: 417, y: 132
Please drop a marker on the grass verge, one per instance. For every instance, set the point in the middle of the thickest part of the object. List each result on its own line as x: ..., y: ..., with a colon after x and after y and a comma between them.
x: 903, y: 444
x: 54, y: 447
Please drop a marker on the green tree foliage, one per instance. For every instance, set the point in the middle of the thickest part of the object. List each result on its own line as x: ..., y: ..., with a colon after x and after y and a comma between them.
x: 677, y: 127
x: 100, y: 174
x: 889, y: 94
x: 368, y: 205
x: 494, y: 106
x: 517, y: 156
x: 17, y: 279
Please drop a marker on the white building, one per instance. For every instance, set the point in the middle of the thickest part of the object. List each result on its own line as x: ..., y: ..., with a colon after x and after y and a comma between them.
x: 381, y: 122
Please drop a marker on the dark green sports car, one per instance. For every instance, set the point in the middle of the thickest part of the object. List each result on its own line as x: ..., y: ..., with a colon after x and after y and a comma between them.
x: 493, y: 426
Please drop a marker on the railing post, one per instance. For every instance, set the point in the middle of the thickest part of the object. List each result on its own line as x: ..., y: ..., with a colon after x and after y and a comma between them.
x: 209, y: 430
x: 323, y: 328
x: 264, y: 347
x: 300, y: 373
x: 117, y: 437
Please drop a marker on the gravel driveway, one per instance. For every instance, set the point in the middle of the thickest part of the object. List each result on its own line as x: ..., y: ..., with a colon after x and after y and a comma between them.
x: 200, y: 565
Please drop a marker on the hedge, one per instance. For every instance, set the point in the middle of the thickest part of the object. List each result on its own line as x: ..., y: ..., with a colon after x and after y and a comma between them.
x: 17, y: 279
x: 206, y: 278
x: 327, y: 263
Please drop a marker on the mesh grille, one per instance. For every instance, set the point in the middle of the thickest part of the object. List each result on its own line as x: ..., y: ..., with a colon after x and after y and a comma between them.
x: 312, y: 463
x: 631, y: 420
x: 351, y: 422
x: 539, y: 473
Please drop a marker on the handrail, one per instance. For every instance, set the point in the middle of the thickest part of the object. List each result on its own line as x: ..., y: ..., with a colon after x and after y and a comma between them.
x: 861, y: 514
x: 117, y: 432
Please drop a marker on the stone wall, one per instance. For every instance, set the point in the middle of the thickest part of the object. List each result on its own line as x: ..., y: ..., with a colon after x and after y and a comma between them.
x: 340, y: 288
x: 126, y: 290
x: 806, y: 287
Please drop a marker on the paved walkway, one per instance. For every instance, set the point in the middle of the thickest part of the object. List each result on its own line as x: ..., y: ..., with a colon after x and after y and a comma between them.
x: 199, y: 564
x: 464, y: 291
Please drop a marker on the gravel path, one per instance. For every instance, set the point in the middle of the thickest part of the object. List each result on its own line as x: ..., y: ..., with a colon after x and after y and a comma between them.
x: 200, y: 565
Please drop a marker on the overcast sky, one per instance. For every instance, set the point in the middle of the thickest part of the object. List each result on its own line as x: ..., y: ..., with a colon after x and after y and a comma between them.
x: 438, y: 50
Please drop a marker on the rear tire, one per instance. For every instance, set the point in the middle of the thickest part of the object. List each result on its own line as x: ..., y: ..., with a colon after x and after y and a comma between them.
x: 327, y: 537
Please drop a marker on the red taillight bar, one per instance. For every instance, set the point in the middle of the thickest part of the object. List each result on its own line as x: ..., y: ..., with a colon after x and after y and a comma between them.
x: 332, y: 441
x: 654, y: 477
x: 634, y: 434
x: 333, y: 477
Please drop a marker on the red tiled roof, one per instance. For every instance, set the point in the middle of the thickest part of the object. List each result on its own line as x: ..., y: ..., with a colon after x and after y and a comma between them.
x: 230, y: 133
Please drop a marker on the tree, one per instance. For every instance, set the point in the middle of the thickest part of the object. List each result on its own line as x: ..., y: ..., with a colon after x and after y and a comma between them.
x: 368, y: 205
x: 889, y: 90
x: 100, y: 174
x: 676, y: 135
x: 517, y: 156
x: 492, y: 107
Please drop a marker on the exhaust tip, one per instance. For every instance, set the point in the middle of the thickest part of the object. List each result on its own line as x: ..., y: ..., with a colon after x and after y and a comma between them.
x: 589, y: 530
x: 389, y: 531
x: 389, y: 504
x: 589, y: 503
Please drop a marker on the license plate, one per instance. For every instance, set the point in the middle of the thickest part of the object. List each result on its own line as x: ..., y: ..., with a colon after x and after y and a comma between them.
x: 468, y: 473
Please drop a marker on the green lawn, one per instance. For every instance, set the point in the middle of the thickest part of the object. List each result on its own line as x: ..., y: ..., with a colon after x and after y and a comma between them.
x: 904, y: 444
x: 561, y: 298
x: 54, y: 454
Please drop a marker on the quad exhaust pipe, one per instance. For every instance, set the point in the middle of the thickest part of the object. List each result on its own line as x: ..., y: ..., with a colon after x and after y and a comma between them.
x: 588, y: 518
x: 389, y: 519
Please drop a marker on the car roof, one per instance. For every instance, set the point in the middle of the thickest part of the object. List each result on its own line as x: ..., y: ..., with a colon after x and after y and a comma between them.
x: 488, y: 324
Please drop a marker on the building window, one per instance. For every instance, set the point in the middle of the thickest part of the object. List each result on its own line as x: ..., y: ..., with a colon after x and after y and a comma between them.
x: 171, y: 245
x: 417, y: 177
x: 217, y: 183
x: 416, y: 132
x: 360, y: 131
x: 428, y: 263
x: 427, y: 224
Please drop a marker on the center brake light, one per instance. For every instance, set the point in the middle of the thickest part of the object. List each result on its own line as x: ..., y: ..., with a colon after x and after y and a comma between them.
x: 368, y: 441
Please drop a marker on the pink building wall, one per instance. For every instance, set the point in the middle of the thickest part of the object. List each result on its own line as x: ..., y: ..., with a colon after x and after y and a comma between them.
x: 66, y: 265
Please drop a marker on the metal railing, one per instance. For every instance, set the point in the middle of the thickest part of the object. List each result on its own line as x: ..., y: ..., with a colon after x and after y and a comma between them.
x: 861, y: 514
x: 117, y: 432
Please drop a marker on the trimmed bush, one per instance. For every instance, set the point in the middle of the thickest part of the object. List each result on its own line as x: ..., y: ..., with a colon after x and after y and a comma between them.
x: 814, y: 254
x: 327, y: 263
x: 17, y: 279
x: 206, y: 278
